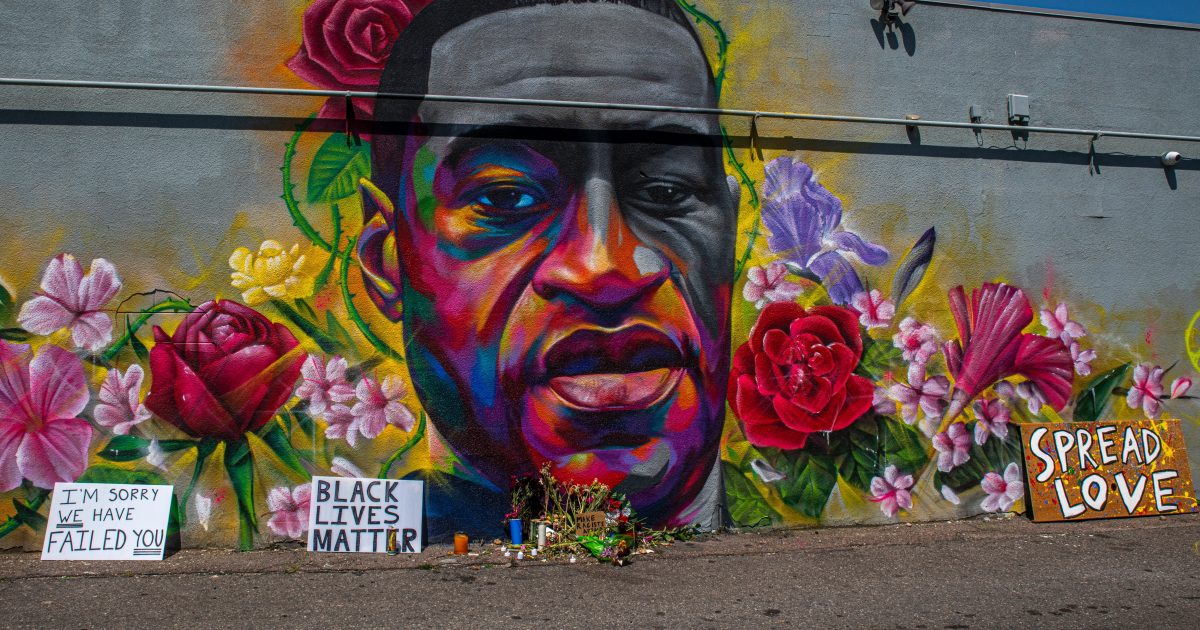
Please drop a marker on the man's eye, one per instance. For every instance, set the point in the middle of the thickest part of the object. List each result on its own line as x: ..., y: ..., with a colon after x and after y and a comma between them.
x: 664, y: 194
x: 509, y: 199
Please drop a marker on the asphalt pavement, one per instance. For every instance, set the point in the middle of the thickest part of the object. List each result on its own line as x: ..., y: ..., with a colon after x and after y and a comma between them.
x: 988, y: 573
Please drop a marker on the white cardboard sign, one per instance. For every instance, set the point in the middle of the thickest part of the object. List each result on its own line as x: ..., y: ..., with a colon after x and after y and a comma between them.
x: 102, y: 521
x: 353, y: 515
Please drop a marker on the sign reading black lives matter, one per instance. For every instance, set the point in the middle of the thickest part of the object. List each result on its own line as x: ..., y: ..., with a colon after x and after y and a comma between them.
x: 354, y: 515
x: 101, y: 521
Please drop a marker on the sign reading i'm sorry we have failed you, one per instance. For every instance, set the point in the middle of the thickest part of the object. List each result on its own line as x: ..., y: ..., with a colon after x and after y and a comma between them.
x: 354, y: 515
x: 100, y: 521
x: 1105, y: 469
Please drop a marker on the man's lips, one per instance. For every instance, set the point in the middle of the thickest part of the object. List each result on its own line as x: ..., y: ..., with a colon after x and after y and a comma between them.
x: 630, y: 368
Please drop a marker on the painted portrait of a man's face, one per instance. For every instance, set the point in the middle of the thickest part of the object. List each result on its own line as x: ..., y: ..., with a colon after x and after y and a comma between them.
x: 563, y: 274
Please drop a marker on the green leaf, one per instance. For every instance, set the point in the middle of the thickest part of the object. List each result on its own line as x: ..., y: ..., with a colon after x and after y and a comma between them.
x: 14, y: 334
x: 126, y: 448
x: 28, y: 516
x: 1094, y: 398
x: 306, y: 309
x: 139, y: 348
x: 337, y: 330
x: 274, y: 437
x: 746, y: 506
x: 239, y: 464
x: 857, y: 446
x: 7, y: 304
x: 903, y: 446
x: 811, y: 479
x: 103, y: 473
x: 878, y: 358
x: 336, y: 169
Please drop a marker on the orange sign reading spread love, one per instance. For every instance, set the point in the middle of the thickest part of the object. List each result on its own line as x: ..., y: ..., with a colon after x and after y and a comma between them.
x: 1106, y: 469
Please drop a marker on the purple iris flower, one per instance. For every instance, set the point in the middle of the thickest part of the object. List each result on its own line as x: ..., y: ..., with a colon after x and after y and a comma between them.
x: 804, y: 220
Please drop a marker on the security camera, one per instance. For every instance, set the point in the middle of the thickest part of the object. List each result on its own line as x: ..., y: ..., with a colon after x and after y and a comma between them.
x: 1170, y: 158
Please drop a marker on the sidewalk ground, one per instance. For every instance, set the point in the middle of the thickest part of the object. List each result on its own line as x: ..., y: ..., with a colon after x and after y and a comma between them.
x: 1131, y: 573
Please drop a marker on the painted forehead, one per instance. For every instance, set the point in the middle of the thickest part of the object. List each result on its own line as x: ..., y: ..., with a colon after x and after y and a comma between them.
x: 573, y: 52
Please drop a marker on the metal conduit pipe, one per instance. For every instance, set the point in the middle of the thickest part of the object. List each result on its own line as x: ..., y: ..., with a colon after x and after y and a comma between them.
x: 744, y: 113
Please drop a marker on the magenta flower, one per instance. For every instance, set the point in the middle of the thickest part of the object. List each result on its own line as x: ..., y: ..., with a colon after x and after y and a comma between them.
x: 991, y: 346
x: 1060, y: 326
x: 1002, y: 492
x: 805, y: 223
x: 1147, y: 390
x: 120, y: 407
x: 1082, y: 359
x: 70, y: 299
x: 324, y: 384
x: 917, y: 341
x: 289, y: 510
x: 341, y: 425
x: 992, y: 417
x: 874, y: 311
x: 920, y: 392
x: 953, y: 446
x: 891, y: 491
x: 42, y: 438
x: 765, y: 285
x: 1180, y: 387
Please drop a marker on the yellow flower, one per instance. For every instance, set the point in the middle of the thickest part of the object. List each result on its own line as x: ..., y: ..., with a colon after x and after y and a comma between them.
x: 272, y: 273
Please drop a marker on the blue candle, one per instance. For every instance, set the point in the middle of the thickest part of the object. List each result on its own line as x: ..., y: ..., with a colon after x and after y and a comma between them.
x: 514, y: 530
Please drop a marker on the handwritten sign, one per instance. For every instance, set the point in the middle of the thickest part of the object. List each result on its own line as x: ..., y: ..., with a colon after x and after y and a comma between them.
x: 590, y: 523
x: 1105, y: 469
x: 353, y: 515
x: 100, y: 521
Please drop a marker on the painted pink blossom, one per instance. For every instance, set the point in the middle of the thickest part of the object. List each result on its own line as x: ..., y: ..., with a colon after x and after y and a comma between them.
x: 991, y: 346
x: 1060, y: 326
x: 379, y: 404
x: 1082, y: 359
x: 324, y: 384
x: 926, y: 394
x: 917, y: 341
x: 42, y: 439
x: 120, y: 407
x: 1002, y: 492
x: 874, y: 311
x: 1147, y: 390
x: 1180, y: 387
x: 891, y: 491
x: 765, y: 285
x: 953, y: 446
x: 992, y: 417
x: 70, y: 299
x: 1033, y: 396
x: 882, y: 402
x: 341, y: 425
x: 343, y: 467
x: 289, y: 510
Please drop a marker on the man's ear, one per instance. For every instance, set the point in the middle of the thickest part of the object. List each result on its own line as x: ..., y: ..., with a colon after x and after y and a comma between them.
x: 377, y: 254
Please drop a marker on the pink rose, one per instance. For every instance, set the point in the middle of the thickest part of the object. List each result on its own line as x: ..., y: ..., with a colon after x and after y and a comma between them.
x: 346, y: 44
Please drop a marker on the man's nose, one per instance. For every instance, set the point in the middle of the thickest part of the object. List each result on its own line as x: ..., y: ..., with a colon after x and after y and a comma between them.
x: 597, y: 259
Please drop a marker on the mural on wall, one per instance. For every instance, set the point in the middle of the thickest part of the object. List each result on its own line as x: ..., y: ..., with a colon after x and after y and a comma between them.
x: 473, y: 291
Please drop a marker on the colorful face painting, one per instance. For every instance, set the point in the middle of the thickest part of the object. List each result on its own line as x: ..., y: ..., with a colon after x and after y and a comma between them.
x: 469, y: 291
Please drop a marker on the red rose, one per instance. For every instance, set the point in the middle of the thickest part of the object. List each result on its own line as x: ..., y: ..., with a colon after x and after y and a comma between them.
x: 225, y: 371
x: 346, y: 44
x: 794, y: 377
